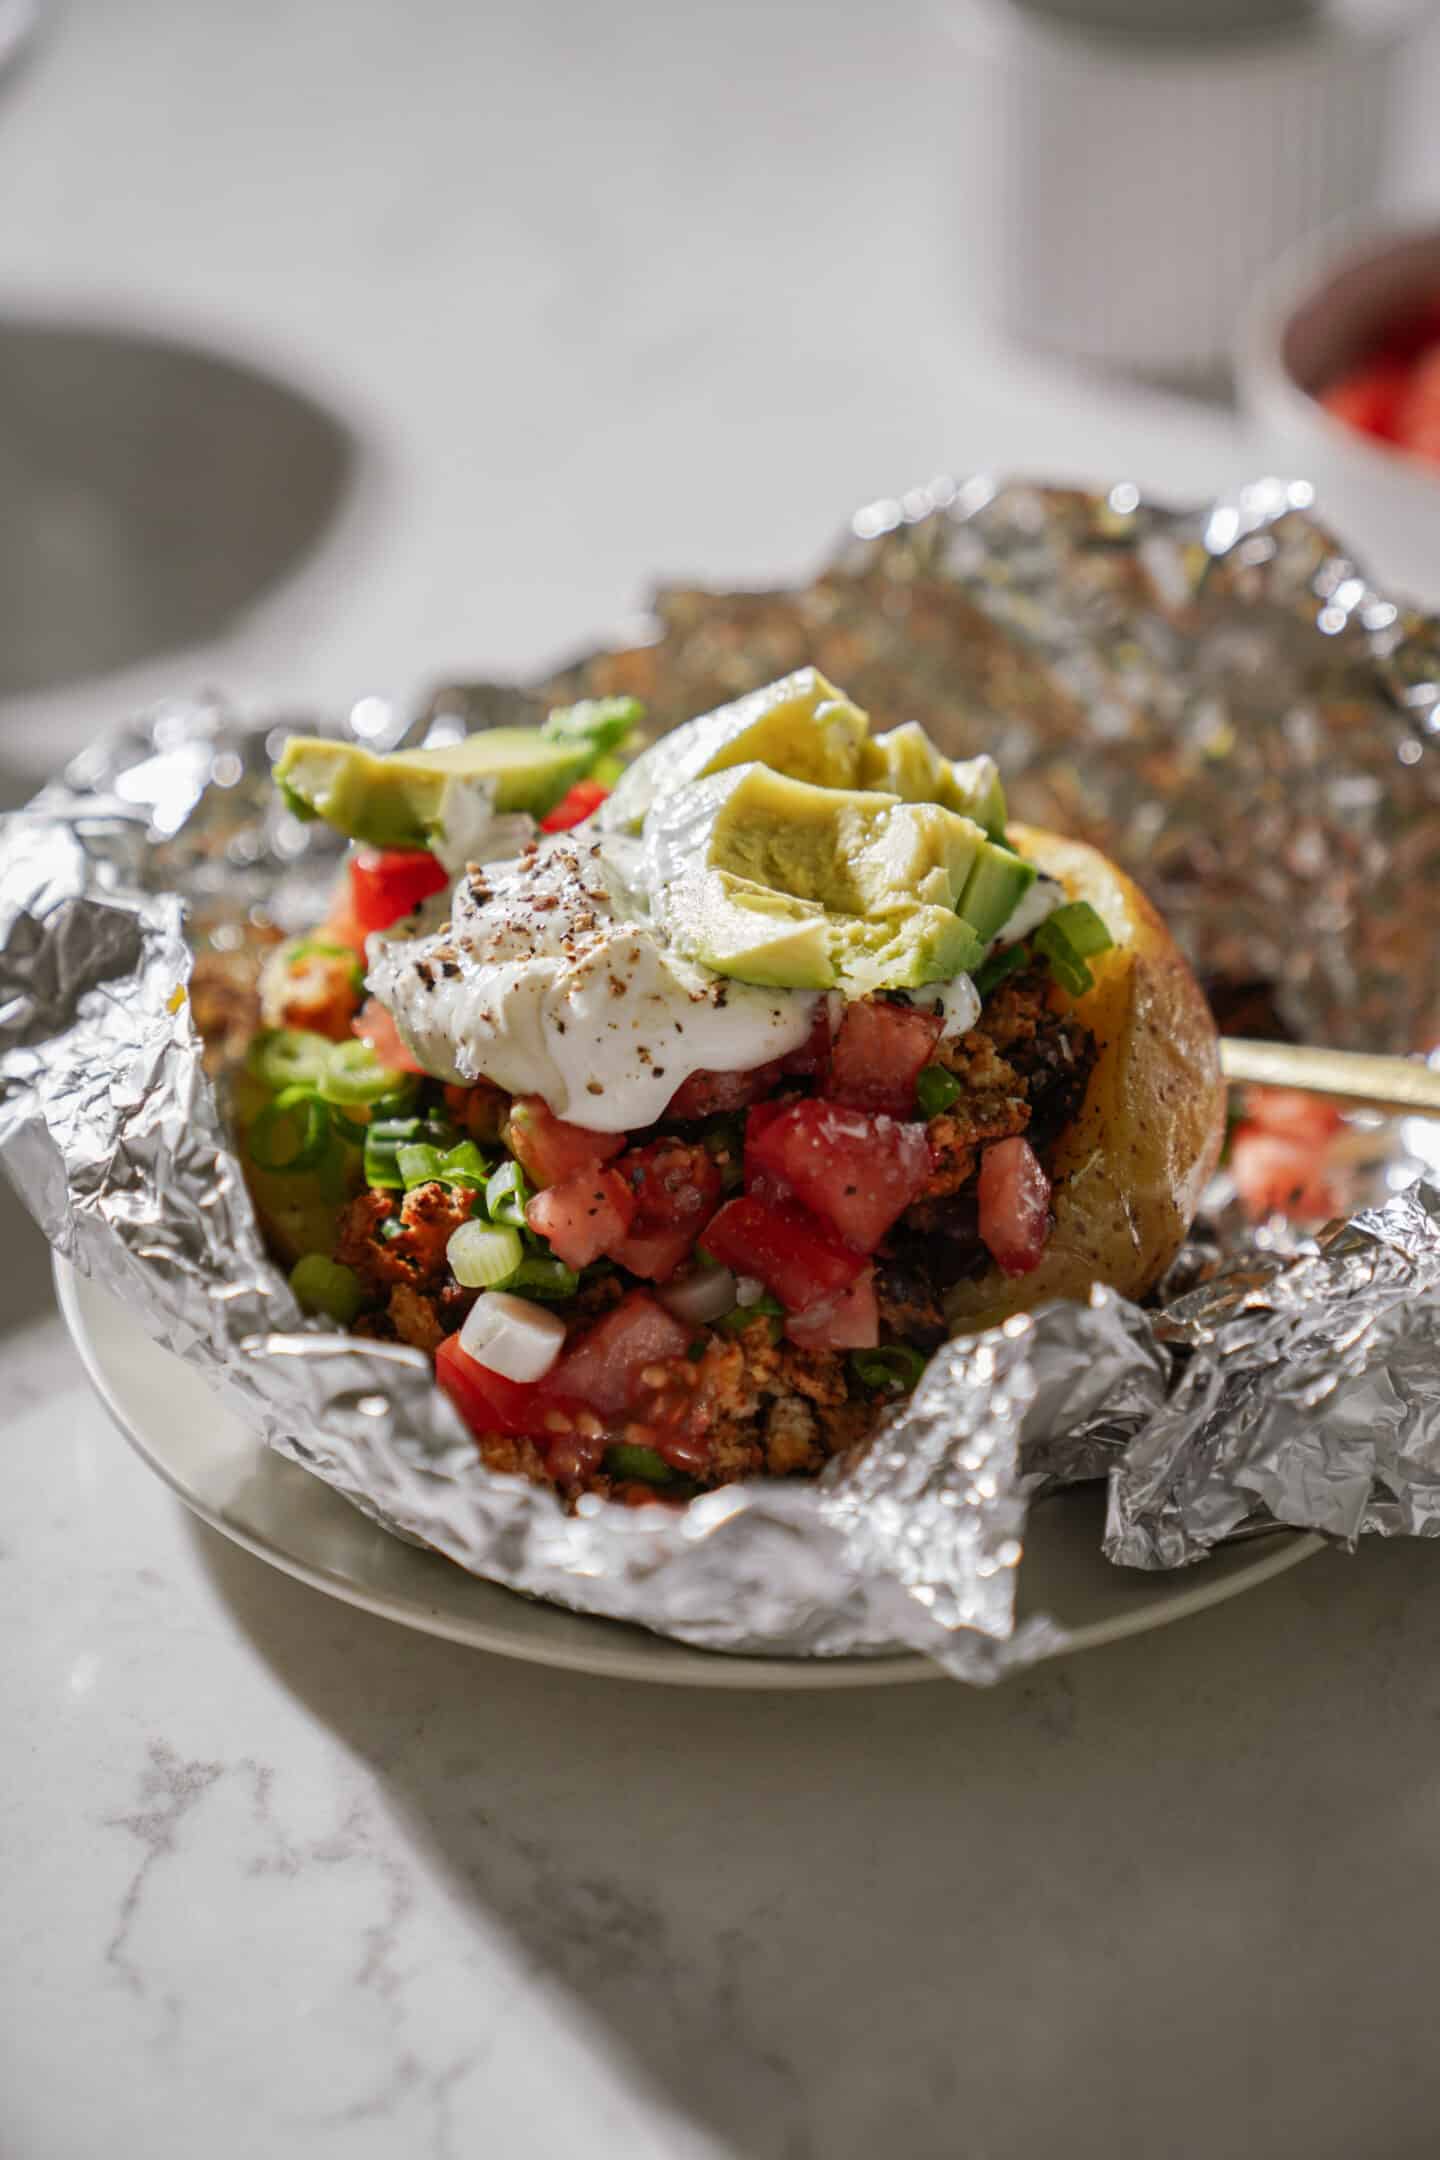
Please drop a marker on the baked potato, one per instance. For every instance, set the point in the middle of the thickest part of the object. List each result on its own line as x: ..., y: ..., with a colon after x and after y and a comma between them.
x: 1129, y: 1170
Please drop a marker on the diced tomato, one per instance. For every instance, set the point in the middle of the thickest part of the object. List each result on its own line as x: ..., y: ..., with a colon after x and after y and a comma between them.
x: 551, y: 1150
x: 850, y: 1320
x: 602, y: 1368
x: 1292, y: 1113
x: 707, y: 1094
x: 1014, y: 1206
x: 585, y: 1216
x: 1368, y: 397
x: 795, y: 1256
x: 878, y: 1055
x: 386, y: 883
x: 676, y: 1190
x: 375, y: 1025
x: 1278, y: 1175
x: 581, y: 801
x: 490, y: 1403
x: 857, y: 1171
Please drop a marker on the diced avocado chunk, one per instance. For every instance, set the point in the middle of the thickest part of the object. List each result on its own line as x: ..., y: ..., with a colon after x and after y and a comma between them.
x: 771, y: 880
x: 906, y: 763
x: 974, y: 787
x: 847, y: 850
x: 901, y: 951
x: 994, y: 889
x: 395, y: 801
x: 750, y: 932
x: 801, y: 725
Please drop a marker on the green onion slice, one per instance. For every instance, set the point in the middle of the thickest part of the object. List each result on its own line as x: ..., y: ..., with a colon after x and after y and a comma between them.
x: 935, y: 1090
x: 289, y: 1057
x: 482, y: 1256
x: 353, y: 1074
x: 292, y: 1133
x: 506, y: 1194
x: 894, y: 1369
x: 998, y: 966
x: 545, y: 1278
x: 624, y: 1460
x: 324, y: 1286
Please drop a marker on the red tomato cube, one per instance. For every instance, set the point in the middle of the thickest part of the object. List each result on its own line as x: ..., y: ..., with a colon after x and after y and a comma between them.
x: 386, y: 883
x: 676, y: 1189
x: 858, y: 1171
x: 550, y: 1149
x: 1014, y: 1206
x: 796, y: 1257
x: 850, y: 1320
x: 584, y: 1216
x: 878, y: 1055
x: 602, y: 1368
x: 580, y: 802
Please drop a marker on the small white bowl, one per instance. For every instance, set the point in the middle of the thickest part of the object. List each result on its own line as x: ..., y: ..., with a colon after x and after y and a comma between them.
x: 1327, y: 307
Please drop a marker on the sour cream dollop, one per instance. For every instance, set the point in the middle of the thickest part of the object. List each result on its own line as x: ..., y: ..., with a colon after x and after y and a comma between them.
x: 549, y: 981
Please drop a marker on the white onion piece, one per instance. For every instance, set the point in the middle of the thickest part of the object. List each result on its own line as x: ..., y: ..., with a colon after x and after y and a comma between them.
x: 701, y: 1296
x: 748, y: 1290
x: 511, y: 1336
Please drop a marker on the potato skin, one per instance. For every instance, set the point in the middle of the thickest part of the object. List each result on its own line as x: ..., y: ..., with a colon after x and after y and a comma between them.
x: 1129, y: 1171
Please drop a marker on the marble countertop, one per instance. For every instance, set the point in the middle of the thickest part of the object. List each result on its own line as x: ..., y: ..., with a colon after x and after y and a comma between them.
x: 595, y: 293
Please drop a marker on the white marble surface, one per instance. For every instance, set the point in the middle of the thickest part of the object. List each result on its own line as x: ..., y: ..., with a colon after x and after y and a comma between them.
x: 603, y: 292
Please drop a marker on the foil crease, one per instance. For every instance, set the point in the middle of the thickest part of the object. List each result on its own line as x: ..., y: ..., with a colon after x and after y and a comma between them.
x: 1218, y: 699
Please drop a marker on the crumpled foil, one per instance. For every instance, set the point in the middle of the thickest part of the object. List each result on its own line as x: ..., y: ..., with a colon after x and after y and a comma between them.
x: 1216, y: 698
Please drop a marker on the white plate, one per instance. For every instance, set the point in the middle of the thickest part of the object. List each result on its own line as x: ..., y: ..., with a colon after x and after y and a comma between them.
x: 273, y: 1508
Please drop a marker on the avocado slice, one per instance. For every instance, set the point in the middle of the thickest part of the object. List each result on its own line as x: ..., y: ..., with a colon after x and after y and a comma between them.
x: 852, y: 851
x: 801, y: 725
x: 906, y: 763
x: 747, y: 931
x: 994, y: 889
x: 772, y: 880
x: 396, y: 801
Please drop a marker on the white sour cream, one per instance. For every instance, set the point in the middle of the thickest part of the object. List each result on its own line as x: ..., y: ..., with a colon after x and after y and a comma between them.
x: 548, y: 981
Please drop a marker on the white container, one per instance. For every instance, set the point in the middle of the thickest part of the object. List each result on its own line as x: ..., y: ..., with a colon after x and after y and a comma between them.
x: 1141, y: 187
x: 1320, y: 312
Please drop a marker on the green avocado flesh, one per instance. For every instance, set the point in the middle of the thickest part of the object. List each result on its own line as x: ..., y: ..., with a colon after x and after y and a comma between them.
x: 396, y: 801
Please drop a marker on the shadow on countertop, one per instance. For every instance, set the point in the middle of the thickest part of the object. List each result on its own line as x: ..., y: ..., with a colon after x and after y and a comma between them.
x: 934, y: 1922
x: 154, y: 490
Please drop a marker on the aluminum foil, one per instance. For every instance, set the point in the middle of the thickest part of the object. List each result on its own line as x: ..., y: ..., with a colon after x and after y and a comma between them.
x: 1219, y: 700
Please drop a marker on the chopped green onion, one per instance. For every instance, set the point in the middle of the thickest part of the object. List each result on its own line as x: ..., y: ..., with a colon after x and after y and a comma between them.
x: 1069, y: 968
x: 625, y: 1460
x: 328, y: 950
x: 506, y: 1194
x: 324, y: 1286
x: 353, y: 1074
x: 895, y: 1368
x: 417, y: 1163
x: 739, y: 1317
x: 998, y: 966
x: 602, y: 723
x: 464, y: 1165
x: 384, y: 1138
x: 482, y: 1256
x: 545, y: 1278
x: 290, y: 1134
x: 607, y: 770
x: 1082, y: 928
x: 287, y: 1057
x: 935, y: 1090
x: 1069, y: 939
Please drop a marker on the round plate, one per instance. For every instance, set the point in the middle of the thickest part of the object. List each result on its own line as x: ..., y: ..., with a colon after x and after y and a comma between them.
x: 275, y: 1509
